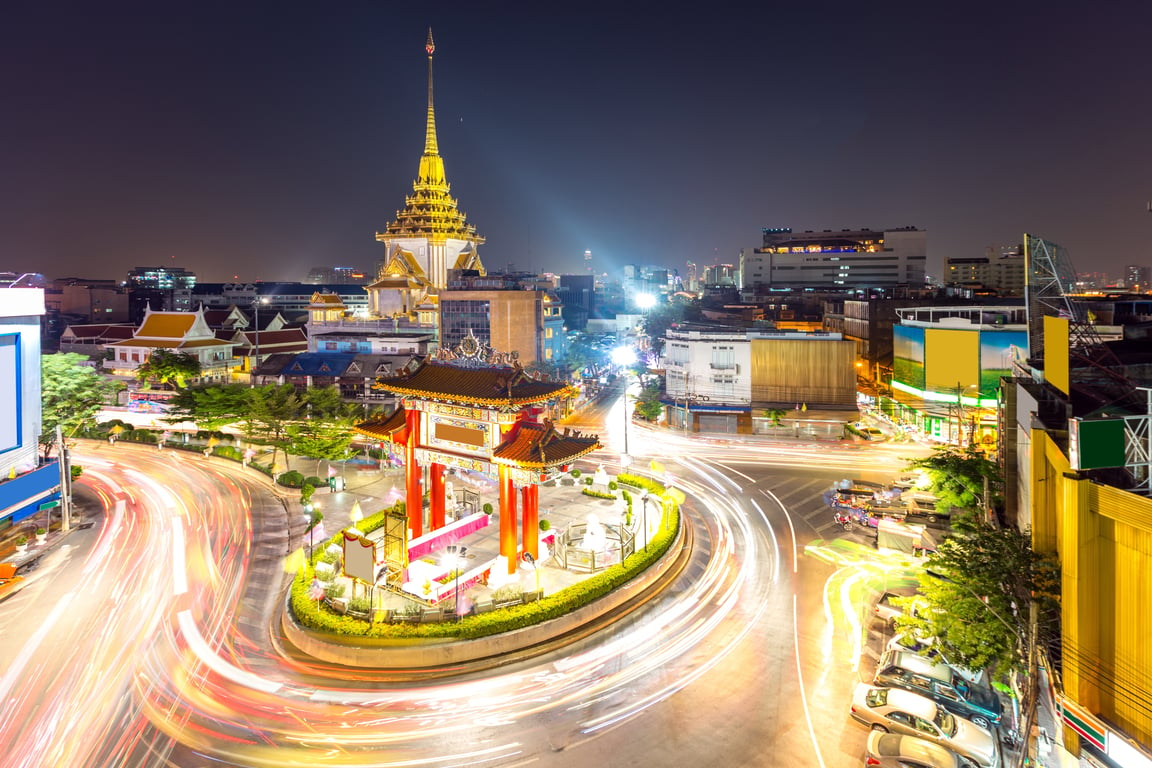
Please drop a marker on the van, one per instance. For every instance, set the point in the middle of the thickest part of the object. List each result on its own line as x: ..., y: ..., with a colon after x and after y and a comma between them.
x: 939, y: 682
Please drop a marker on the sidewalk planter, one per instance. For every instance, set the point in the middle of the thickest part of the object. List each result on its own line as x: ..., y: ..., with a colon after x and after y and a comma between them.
x: 41, y: 536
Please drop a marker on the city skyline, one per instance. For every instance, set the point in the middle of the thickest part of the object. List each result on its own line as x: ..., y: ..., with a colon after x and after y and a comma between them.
x: 255, y: 143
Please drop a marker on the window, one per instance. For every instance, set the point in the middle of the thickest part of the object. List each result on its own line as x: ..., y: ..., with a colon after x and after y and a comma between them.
x: 923, y: 726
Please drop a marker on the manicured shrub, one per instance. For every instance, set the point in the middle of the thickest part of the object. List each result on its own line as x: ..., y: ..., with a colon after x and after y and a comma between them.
x: 575, y: 473
x: 315, y: 482
x: 291, y: 479
x: 487, y: 508
x: 613, y: 485
x: 545, y: 525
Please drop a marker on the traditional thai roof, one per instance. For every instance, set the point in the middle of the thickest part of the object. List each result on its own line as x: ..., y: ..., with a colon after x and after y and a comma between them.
x: 430, y: 211
x: 390, y: 427
x: 318, y: 364
x: 541, y: 446
x: 173, y: 330
x: 488, y: 386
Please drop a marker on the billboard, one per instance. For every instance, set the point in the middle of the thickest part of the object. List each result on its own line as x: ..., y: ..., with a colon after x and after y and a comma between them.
x: 939, y: 359
x: 908, y: 356
x: 997, y: 350
x: 951, y: 359
x: 1056, y: 352
x: 9, y: 392
x: 1095, y: 443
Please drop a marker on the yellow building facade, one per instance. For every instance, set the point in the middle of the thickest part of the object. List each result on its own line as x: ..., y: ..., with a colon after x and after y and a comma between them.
x: 1103, y: 538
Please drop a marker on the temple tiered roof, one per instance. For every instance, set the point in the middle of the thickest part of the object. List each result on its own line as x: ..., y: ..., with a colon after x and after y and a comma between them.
x: 506, y: 386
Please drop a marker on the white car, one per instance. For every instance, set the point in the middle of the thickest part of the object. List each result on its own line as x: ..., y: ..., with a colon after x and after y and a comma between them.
x: 907, y: 641
x: 891, y: 750
x: 903, y: 712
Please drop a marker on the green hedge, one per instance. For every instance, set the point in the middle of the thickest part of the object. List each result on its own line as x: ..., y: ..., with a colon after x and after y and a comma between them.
x: 598, y: 494
x: 316, y: 615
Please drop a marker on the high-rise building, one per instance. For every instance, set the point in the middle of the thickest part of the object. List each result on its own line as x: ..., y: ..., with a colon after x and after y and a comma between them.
x: 336, y: 276
x: 1002, y: 272
x: 161, y: 289
x: 837, y: 260
x: 1137, y: 278
x: 429, y: 236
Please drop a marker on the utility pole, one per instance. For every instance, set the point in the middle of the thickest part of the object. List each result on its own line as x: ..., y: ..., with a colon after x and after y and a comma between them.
x: 65, y: 481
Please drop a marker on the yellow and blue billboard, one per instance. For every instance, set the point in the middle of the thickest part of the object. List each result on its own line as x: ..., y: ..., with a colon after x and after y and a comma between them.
x: 938, y: 360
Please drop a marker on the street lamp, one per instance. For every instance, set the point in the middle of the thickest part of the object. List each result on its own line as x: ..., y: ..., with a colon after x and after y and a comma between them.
x: 455, y: 559
x: 624, y: 357
x: 527, y: 556
x: 644, y: 501
x: 256, y: 335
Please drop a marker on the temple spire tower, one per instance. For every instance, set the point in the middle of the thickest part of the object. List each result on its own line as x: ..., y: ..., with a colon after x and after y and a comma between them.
x: 428, y: 237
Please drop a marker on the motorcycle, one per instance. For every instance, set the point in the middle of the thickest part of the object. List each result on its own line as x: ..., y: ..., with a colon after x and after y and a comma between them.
x: 843, y: 521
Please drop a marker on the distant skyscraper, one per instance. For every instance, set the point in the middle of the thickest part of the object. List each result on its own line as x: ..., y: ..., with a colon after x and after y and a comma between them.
x: 167, y: 289
x: 588, y: 261
x: 335, y: 275
x: 1138, y: 278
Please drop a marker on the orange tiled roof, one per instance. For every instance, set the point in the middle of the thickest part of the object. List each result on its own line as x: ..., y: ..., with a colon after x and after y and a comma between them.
x: 386, y: 428
x: 167, y: 324
x: 540, y: 445
x: 496, y: 385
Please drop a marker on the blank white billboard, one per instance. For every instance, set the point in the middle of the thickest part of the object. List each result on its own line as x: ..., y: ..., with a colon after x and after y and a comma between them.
x: 9, y: 392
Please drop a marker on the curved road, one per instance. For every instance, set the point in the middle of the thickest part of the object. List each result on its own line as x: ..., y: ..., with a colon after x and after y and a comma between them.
x: 153, y: 645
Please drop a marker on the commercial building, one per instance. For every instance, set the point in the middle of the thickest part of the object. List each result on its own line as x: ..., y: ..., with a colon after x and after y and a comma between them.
x: 946, y: 369
x: 849, y: 259
x: 28, y: 483
x: 1002, y: 273
x: 721, y: 379
x: 529, y: 324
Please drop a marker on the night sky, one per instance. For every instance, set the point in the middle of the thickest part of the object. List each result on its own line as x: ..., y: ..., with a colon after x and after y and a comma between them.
x: 255, y: 140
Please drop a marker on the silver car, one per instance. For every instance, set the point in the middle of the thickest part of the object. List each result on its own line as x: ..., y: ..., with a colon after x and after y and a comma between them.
x: 891, y: 750
x: 910, y: 714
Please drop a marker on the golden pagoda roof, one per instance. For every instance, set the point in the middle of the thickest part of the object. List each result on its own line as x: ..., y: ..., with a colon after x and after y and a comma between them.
x: 431, y: 211
x: 540, y: 446
x: 485, y: 386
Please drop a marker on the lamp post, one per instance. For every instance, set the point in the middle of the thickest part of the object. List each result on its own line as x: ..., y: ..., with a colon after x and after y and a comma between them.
x: 644, y: 502
x: 455, y: 557
x: 256, y: 336
x: 623, y: 357
x: 311, y: 527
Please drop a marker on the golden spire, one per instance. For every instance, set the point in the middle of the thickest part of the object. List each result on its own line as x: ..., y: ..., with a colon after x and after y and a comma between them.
x: 430, y: 137
x: 431, y: 164
x: 431, y: 211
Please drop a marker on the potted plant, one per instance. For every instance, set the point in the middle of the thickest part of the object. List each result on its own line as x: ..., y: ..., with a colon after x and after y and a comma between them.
x: 21, y: 544
x: 41, y: 535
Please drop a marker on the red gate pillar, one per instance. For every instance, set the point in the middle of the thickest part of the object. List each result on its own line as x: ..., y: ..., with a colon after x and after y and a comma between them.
x: 436, y: 492
x: 507, y: 517
x: 531, y: 519
x: 413, y: 497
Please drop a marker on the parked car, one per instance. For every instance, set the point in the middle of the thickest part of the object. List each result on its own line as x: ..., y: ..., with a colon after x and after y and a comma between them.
x: 918, y: 505
x: 898, y: 711
x: 872, y: 433
x: 939, y: 682
x: 908, y: 641
x: 894, y: 750
x: 886, y: 610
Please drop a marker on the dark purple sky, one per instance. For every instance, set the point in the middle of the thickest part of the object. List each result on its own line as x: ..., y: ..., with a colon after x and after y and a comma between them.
x: 259, y: 139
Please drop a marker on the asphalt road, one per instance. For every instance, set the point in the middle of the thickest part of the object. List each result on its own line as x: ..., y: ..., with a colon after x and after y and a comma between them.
x: 162, y: 654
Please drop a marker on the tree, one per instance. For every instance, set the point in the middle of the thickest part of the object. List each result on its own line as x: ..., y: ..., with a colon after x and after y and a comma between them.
x: 71, y: 394
x: 776, y: 415
x: 212, y: 406
x: 977, y: 596
x: 957, y: 478
x: 163, y: 367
